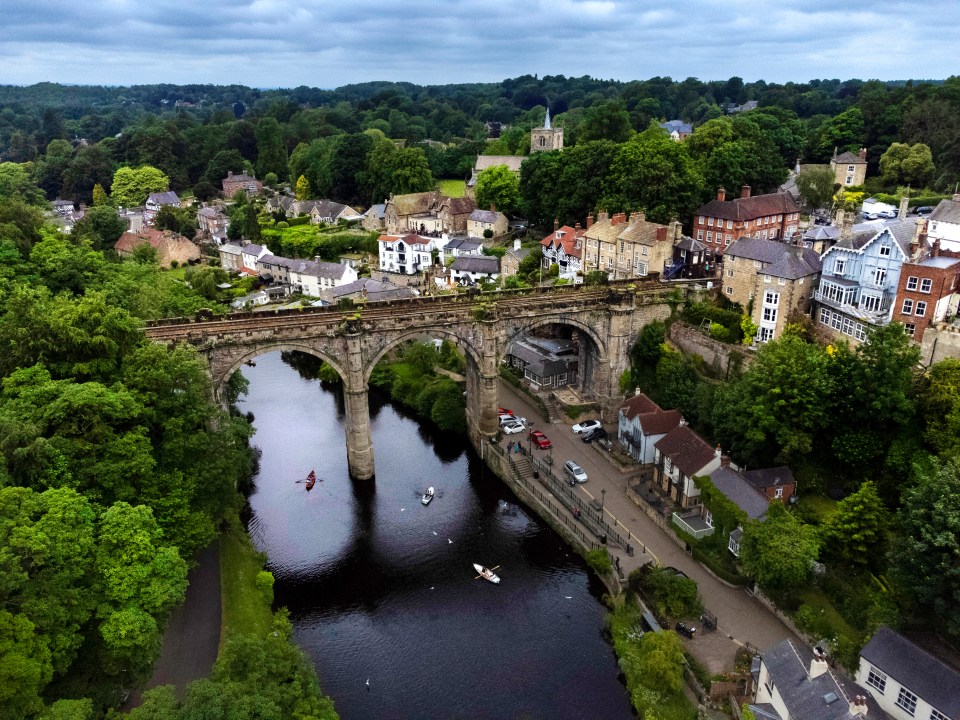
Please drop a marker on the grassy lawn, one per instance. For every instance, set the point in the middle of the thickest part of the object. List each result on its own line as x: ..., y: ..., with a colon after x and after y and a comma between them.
x: 245, y: 609
x: 814, y: 509
x: 818, y: 600
x: 453, y: 188
x: 177, y: 272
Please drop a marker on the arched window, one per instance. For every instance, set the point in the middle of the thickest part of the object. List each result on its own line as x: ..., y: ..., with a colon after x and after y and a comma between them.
x: 543, y: 141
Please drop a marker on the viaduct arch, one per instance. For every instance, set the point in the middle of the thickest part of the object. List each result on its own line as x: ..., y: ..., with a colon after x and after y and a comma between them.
x: 483, y: 326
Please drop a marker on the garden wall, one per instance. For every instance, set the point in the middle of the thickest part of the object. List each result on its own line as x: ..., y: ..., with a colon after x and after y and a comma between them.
x: 721, y: 357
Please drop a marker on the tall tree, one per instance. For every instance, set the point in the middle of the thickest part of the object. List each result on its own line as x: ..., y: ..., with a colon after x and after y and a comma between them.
x: 271, y: 149
x: 904, y: 164
x: 779, y: 552
x: 816, y: 186
x: 132, y: 186
x: 925, y: 556
x: 855, y: 533
x: 498, y: 186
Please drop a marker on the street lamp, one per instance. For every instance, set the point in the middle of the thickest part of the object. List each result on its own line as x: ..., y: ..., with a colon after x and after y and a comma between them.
x: 603, y: 497
x: 530, y: 439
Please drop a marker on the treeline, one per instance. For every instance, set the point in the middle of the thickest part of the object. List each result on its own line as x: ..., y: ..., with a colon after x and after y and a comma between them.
x: 195, y: 133
x: 115, y: 468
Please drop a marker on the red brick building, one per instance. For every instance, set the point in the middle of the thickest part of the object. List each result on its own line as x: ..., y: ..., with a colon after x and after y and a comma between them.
x: 721, y: 222
x: 926, y: 292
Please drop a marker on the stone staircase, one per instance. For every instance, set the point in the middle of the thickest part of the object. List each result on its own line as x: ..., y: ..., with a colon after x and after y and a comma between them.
x: 554, y: 411
x: 523, y: 468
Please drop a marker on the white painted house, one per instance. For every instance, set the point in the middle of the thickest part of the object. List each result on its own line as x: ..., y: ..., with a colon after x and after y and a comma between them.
x: 250, y: 254
x: 407, y: 254
x: 944, y: 224
x: 907, y: 682
x: 309, y: 277
x: 471, y: 269
x: 641, y: 423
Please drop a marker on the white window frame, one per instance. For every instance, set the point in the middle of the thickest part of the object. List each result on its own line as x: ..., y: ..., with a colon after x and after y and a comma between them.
x: 907, y: 308
x: 926, y: 285
x: 907, y: 701
x: 884, y: 251
x: 937, y: 715
x: 921, y: 310
x: 909, y: 329
x: 912, y: 282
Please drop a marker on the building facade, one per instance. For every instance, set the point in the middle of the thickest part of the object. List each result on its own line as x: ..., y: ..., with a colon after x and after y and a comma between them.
x: 721, y: 222
x: 927, y: 293
x: 849, y: 169
x: 627, y: 248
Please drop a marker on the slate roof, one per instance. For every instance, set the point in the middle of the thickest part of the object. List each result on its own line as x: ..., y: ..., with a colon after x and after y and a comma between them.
x: 915, y: 669
x: 849, y: 158
x: 768, y: 251
x: 687, y: 450
x: 487, y: 216
x: 461, y: 205
x: 795, y: 263
x: 238, y: 177
x: 770, y: 477
x: 638, y: 405
x: 740, y: 492
x: 679, y: 125
x: 476, y: 264
x: 376, y: 211
x: 540, y: 362
x: 374, y: 290
x: 822, y: 232
x: 659, y: 422
x: 788, y: 665
x: 902, y: 231
x: 409, y: 239
x: 210, y: 212
x: 414, y: 203
x: 231, y: 249
x: 691, y: 244
x: 313, y: 268
x: 164, y: 198
x: 252, y: 249
x: 947, y: 211
x: 751, y: 208
x: 513, y: 162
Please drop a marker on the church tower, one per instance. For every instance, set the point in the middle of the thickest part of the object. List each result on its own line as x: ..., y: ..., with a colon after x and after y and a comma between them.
x: 546, y: 138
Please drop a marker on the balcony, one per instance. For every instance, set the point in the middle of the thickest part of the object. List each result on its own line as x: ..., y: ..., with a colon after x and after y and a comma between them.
x: 693, y: 524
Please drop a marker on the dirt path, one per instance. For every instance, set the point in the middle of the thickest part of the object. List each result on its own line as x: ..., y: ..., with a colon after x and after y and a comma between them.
x: 193, y: 633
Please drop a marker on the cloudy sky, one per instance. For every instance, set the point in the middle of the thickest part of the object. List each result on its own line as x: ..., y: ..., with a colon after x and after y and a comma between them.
x: 327, y: 43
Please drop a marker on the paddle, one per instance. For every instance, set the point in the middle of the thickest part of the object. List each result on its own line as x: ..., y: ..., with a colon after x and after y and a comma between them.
x: 497, y: 567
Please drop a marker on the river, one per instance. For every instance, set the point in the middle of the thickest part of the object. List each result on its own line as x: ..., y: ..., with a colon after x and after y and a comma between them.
x: 381, y: 588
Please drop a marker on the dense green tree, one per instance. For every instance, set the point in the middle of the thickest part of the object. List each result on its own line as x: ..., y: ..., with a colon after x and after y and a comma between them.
x: 925, y: 554
x: 181, y: 220
x: 606, y: 121
x: 940, y: 408
x: 100, y: 197
x: 132, y: 186
x: 661, y: 662
x: 675, y: 596
x: 224, y: 162
x: 498, y: 187
x: 271, y: 149
x: 855, y: 532
x: 67, y: 266
x: 779, y: 551
x: 303, y: 188
x: 92, y: 165
x: 904, y: 164
x: 816, y: 186
x: 20, y: 225
x: 843, y: 132
x: 16, y: 184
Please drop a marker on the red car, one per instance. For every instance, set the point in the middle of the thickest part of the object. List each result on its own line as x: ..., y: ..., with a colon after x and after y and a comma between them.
x: 504, y: 411
x: 540, y: 440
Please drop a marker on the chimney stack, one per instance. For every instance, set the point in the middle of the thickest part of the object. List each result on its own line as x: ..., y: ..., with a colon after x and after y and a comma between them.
x: 935, y: 251
x: 904, y: 201
x: 662, y: 233
x: 493, y: 208
x: 745, y: 191
x: 724, y: 461
x: 858, y: 705
x: 636, y: 391
x: 589, y: 221
x: 602, y: 216
x: 718, y: 452
x: 676, y: 231
x: 516, y: 243
x: 721, y: 194
x: 639, y: 216
x: 818, y: 666
x: 863, y: 154
x: 556, y: 224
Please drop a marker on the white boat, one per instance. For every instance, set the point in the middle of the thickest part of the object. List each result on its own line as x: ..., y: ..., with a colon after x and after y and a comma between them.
x: 427, y: 496
x: 487, y: 574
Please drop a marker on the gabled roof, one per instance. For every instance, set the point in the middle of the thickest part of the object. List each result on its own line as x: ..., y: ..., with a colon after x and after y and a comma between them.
x: 770, y: 477
x: 848, y: 158
x: 947, y: 211
x: 409, y: 239
x: 822, y: 232
x: 638, y: 405
x: 252, y: 249
x: 820, y: 698
x: 691, y: 244
x: 513, y: 162
x: 795, y: 263
x: 900, y: 231
x: 566, y: 237
x: 211, y: 212
x: 915, y: 669
x: 751, y: 208
x: 376, y: 211
x: 679, y: 125
x: 313, y: 268
x: 238, y: 177
x: 477, y: 264
x: 461, y: 205
x: 164, y: 198
x: 659, y: 422
x: 487, y: 216
x: 687, y: 450
x: 414, y: 203
x: 740, y: 492
x: 373, y: 290
x: 230, y: 249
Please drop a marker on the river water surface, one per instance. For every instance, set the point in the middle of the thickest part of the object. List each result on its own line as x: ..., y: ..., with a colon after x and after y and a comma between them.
x: 381, y: 588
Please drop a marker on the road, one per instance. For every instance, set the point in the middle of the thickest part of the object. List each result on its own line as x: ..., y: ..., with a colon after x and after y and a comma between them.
x: 741, y: 618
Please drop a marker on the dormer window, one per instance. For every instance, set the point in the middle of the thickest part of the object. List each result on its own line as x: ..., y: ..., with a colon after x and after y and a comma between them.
x: 559, y: 234
x: 884, y: 251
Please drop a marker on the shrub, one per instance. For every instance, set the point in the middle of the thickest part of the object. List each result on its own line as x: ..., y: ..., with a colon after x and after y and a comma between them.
x: 264, y: 584
x: 599, y: 561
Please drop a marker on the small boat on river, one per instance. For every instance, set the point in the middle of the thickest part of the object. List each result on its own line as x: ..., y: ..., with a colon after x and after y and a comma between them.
x: 311, y: 479
x: 427, y: 496
x: 487, y: 573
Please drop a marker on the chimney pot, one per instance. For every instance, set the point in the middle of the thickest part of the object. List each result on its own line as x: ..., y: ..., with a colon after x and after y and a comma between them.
x: 493, y: 207
x: 636, y: 391
x: 516, y: 243
x: 745, y: 191
x: 721, y: 194
x: 863, y: 154
x: 724, y: 461
x: 589, y: 221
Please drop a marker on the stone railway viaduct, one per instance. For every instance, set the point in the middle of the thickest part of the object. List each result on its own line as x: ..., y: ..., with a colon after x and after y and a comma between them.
x: 606, y: 321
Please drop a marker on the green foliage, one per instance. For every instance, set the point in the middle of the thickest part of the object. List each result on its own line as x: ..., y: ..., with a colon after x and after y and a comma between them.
x: 498, y: 187
x: 816, y: 186
x: 599, y: 561
x: 855, y: 534
x: 16, y: 184
x: 780, y: 551
x: 303, y: 188
x: 727, y: 515
x: 904, y: 164
x: 674, y: 596
x: 940, y: 407
x: 179, y: 220
x: 101, y: 225
x: 265, y: 585
x: 132, y: 186
x: 925, y: 557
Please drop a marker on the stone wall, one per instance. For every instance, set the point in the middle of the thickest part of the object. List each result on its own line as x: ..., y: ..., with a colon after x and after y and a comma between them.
x: 939, y: 343
x: 722, y: 357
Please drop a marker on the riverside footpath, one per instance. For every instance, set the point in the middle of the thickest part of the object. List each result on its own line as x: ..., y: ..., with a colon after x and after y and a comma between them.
x: 741, y: 618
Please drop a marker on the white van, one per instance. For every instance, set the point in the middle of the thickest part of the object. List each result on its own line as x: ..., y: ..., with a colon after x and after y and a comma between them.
x: 574, y: 472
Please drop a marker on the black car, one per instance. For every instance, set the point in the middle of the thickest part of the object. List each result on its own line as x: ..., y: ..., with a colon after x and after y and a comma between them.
x: 596, y: 434
x: 923, y: 210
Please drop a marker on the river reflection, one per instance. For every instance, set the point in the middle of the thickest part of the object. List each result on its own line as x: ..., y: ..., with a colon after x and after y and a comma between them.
x: 382, y: 588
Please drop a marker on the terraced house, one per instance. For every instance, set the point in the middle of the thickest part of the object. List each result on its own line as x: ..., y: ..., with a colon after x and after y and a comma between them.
x: 626, y: 248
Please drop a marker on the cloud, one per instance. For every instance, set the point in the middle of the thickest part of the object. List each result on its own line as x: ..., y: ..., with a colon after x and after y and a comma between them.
x: 282, y: 43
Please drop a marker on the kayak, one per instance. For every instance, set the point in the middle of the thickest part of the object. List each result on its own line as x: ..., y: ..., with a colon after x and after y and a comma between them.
x: 487, y: 574
x: 427, y: 496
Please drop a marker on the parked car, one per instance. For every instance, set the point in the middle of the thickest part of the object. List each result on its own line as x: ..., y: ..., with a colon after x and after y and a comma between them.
x: 504, y: 411
x: 507, y: 419
x: 574, y: 472
x: 924, y: 210
x: 585, y: 426
x: 686, y: 630
x: 595, y: 434
x: 675, y: 571
x: 512, y: 428
x: 540, y: 440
